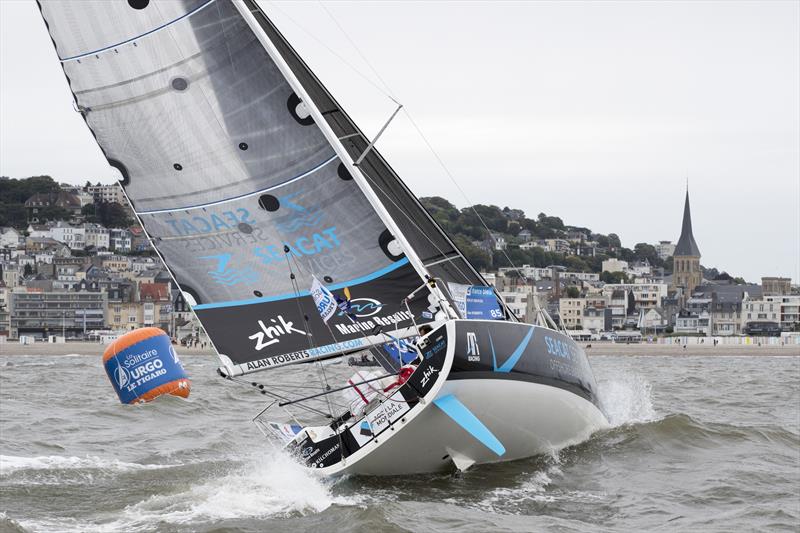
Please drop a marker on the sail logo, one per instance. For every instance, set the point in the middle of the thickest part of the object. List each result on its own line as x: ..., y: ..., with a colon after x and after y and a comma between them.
x: 426, y: 375
x: 363, y: 307
x: 308, y: 217
x: 305, y: 245
x: 473, y: 352
x: 121, y: 376
x: 213, y: 223
x: 228, y: 276
x: 270, y: 334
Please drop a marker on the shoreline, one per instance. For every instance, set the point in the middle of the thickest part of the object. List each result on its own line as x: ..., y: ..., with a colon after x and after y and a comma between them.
x: 595, y: 348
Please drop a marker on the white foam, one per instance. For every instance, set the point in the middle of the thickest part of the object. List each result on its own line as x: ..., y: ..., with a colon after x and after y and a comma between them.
x: 13, y: 463
x: 268, y: 485
x: 627, y: 399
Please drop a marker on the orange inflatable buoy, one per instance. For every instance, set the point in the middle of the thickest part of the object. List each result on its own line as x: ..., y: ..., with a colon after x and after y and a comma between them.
x: 142, y: 365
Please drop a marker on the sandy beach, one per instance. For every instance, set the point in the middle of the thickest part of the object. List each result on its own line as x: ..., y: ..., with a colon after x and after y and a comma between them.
x: 595, y: 348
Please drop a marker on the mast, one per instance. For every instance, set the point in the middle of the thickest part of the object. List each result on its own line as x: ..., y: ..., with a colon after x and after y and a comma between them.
x: 355, y: 171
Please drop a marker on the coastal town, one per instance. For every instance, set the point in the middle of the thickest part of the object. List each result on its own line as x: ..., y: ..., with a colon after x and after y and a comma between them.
x: 76, y: 265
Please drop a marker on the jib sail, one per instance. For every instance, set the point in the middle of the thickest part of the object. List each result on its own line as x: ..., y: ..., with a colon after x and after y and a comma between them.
x: 232, y: 159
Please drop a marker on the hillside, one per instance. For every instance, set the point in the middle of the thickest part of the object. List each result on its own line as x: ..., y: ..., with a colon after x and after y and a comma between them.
x: 586, y: 249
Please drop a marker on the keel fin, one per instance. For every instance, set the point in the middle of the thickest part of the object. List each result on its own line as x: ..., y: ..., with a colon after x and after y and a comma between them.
x: 461, y: 461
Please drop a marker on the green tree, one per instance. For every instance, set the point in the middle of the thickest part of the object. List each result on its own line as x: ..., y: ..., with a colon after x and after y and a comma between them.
x: 613, y: 240
x: 28, y: 270
x: 613, y: 277
x: 480, y: 259
x: 648, y: 252
x: 576, y: 264
x: 112, y: 215
x: 573, y: 292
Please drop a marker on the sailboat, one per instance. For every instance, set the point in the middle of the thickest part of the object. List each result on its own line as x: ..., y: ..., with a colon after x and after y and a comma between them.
x: 266, y: 202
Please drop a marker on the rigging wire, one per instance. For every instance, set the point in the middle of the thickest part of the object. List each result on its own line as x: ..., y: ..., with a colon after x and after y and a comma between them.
x: 334, y: 53
x: 386, y: 91
x: 389, y: 93
x: 293, y: 278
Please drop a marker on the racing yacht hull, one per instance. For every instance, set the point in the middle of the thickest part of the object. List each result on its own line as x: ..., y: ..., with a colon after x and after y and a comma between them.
x: 494, y: 392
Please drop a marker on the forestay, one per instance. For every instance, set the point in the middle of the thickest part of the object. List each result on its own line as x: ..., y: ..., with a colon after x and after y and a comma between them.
x: 241, y: 192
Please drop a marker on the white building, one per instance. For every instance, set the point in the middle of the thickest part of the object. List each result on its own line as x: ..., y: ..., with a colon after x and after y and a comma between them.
x: 10, y: 238
x: 615, y: 265
x: 107, y: 194
x: 783, y: 310
x: 516, y: 301
x: 120, y: 240
x: 665, y: 249
x: 688, y: 322
x: 498, y: 241
x: 72, y: 236
x: 11, y: 275
x: 39, y: 231
x: 561, y: 246
x: 529, y: 272
x: 97, y: 236
x: 645, y: 295
x: 571, y: 312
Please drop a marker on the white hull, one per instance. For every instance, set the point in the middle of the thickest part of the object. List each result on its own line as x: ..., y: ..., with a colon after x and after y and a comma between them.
x: 522, y: 392
x: 527, y: 418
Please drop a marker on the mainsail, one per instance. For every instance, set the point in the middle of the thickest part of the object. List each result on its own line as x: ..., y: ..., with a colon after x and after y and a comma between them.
x: 240, y: 166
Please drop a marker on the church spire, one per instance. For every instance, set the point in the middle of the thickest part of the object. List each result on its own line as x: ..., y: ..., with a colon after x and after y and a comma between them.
x: 686, y: 244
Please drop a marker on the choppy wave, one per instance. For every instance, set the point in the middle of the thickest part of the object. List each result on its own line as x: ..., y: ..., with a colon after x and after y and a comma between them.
x: 268, y: 486
x: 628, y: 399
x: 689, y: 442
x: 10, y: 464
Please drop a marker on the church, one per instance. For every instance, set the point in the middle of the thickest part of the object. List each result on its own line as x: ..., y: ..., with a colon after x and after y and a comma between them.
x: 686, y: 274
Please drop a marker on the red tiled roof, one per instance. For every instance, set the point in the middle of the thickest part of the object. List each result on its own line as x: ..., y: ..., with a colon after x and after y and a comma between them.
x: 154, y: 291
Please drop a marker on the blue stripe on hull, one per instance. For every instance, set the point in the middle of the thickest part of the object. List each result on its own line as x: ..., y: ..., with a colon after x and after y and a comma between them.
x: 462, y: 416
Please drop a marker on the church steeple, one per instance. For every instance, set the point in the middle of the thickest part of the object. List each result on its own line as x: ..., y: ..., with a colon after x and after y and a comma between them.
x: 686, y: 244
x: 686, y: 272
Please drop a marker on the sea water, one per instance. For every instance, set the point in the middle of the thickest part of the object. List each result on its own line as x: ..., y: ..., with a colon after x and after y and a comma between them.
x: 697, y: 443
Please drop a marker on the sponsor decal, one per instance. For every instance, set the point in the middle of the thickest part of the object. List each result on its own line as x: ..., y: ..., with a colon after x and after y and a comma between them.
x: 213, y: 223
x: 227, y: 275
x: 277, y: 360
x: 390, y: 411
x: 560, y: 348
x: 436, y: 347
x: 305, y: 245
x: 365, y: 429
x: 363, y: 307
x: 475, y: 301
x: 136, y: 369
x: 473, y: 352
x: 308, y: 452
x: 319, y: 460
x: 276, y: 329
x: 427, y: 373
x: 371, y: 323
x: 122, y: 377
x: 302, y: 216
x: 323, y: 299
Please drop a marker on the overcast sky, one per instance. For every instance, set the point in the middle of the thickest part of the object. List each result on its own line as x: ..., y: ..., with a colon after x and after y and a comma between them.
x: 595, y: 112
